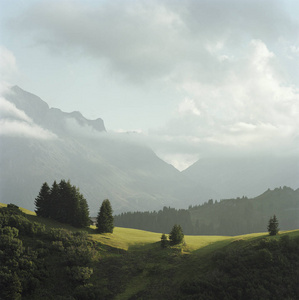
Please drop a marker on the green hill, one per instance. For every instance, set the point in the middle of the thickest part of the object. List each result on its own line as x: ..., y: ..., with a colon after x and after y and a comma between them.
x: 225, y: 217
x: 43, y: 259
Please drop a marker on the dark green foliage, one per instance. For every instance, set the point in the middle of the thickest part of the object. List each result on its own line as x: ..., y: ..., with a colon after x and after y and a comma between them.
x: 38, y: 264
x: 42, y: 201
x: 79, y: 274
x: 227, y: 217
x: 164, y: 241
x: 64, y: 203
x: 176, y: 235
x: 105, y: 218
x: 268, y: 269
x: 63, y: 264
x: 273, y: 226
x: 161, y: 221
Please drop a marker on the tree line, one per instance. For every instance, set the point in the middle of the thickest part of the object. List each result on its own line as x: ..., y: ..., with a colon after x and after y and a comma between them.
x: 161, y: 221
x: 225, y: 217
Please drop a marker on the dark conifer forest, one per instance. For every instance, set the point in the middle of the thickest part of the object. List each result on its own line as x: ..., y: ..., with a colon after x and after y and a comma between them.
x: 225, y: 217
x: 62, y: 202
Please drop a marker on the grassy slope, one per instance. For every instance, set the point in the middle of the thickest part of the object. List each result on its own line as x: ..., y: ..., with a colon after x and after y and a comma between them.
x: 134, y: 239
x: 144, y: 252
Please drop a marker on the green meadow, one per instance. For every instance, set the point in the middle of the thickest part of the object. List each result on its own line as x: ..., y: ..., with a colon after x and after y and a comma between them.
x: 63, y: 262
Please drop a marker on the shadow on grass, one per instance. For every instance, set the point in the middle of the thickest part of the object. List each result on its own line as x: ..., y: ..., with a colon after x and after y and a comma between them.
x: 144, y: 246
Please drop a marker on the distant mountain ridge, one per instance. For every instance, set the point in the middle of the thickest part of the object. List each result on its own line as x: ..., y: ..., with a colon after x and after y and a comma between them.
x: 245, y: 176
x: 105, y: 165
x: 51, y: 118
x: 102, y: 165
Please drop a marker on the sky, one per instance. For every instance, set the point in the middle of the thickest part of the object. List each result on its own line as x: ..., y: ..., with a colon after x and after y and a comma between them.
x: 194, y: 78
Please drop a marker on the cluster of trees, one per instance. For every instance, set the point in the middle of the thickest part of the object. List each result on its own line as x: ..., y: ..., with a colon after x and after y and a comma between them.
x: 176, y: 236
x: 63, y: 202
x: 226, y: 217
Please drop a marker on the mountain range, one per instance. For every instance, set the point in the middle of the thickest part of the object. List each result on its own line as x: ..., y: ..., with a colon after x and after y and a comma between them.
x: 42, y: 144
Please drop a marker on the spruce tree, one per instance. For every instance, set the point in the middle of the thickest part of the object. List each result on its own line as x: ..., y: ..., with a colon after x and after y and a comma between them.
x: 82, y: 211
x: 176, y: 235
x: 105, y: 218
x: 273, y: 226
x: 42, y: 201
x: 54, y: 200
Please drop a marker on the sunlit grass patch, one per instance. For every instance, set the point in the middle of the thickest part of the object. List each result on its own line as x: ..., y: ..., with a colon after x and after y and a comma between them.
x: 127, y: 238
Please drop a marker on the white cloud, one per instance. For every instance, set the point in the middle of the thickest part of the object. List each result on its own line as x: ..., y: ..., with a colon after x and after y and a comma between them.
x: 8, y: 66
x: 9, y: 110
x: 18, y: 128
x: 15, y: 122
x: 226, y: 60
x: 253, y: 109
x: 188, y: 107
x: 150, y: 40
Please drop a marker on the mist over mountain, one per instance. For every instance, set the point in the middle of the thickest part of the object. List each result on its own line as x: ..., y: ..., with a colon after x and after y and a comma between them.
x: 41, y: 144
x: 245, y: 175
x: 68, y: 146
x: 53, y: 119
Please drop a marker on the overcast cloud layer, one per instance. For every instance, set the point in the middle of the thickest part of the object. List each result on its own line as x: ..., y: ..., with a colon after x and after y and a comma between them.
x: 221, y: 76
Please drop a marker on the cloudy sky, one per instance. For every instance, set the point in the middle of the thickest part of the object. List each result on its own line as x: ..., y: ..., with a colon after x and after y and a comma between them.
x: 196, y: 78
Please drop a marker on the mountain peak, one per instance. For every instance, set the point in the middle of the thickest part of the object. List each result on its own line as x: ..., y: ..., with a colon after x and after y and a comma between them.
x: 52, y: 119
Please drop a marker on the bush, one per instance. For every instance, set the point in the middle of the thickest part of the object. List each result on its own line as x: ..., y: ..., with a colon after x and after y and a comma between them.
x: 164, y: 241
x: 80, y: 274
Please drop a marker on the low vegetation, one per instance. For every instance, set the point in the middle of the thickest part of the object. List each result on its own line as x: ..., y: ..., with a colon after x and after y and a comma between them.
x: 43, y: 259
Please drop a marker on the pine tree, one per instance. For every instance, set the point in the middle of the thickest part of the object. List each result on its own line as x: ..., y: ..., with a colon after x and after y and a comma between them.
x: 42, y: 201
x: 273, y: 226
x: 105, y: 218
x: 54, y: 200
x: 176, y: 235
x: 82, y: 212
x: 65, y: 206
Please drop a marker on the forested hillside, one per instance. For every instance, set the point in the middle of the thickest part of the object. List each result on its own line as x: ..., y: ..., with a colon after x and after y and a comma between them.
x: 44, y: 259
x: 225, y: 217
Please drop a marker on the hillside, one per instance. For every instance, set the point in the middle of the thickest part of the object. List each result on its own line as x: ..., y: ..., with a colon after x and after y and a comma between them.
x: 45, y: 144
x: 65, y: 263
x: 225, y: 217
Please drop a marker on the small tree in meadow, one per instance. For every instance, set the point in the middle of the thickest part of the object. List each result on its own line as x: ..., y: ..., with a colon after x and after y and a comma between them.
x: 105, y: 218
x: 176, y: 235
x: 273, y: 226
